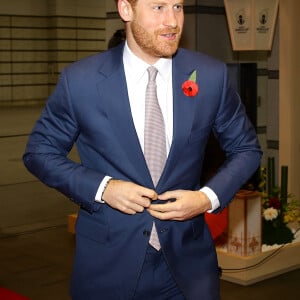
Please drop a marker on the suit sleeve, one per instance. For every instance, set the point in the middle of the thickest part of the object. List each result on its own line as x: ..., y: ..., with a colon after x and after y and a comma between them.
x: 46, y: 153
x: 238, y: 139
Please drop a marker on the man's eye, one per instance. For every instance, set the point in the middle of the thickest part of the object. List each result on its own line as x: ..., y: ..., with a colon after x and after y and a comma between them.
x: 158, y: 7
x: 178, y: 7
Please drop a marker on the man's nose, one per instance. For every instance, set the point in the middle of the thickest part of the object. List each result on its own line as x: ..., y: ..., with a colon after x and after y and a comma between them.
x: 170, y: 19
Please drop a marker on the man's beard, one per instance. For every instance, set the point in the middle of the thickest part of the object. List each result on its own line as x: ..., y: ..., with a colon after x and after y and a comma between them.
x: 152, y: 46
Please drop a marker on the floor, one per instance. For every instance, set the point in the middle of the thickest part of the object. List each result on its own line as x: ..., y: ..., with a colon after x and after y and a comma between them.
x: 36, y: 248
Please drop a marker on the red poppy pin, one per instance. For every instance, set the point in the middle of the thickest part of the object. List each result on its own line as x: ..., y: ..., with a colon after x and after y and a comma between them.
x: 190, y: 87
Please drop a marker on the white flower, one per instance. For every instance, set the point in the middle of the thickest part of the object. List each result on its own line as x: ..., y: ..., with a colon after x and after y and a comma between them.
x: 270, y: 213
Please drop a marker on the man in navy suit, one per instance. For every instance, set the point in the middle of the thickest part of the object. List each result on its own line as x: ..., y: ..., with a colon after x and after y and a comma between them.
x: 99, y: 104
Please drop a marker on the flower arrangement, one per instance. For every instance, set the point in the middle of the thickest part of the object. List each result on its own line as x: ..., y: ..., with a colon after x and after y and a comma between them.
x: 190, y: 87
x: 278, y: 208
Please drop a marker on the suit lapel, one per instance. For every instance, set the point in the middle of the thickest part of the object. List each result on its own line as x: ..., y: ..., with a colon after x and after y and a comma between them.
x: 183, y: 115
x: 112, y: 88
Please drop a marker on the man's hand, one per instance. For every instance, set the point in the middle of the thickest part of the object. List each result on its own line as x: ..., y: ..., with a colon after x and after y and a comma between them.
x: 187, y: 205
x: 128, y: 197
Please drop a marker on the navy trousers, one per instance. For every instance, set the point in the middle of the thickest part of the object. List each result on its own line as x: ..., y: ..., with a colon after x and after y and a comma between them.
x: 156, y: 281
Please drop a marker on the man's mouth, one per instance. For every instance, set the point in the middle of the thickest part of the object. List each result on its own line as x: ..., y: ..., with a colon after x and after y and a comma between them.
x: 169, y: 36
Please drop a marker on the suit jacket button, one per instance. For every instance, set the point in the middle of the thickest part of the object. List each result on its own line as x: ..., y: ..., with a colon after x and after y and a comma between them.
x: 146, y: 233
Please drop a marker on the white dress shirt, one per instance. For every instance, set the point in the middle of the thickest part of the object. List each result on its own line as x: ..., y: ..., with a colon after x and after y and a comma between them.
x: 137, y: 79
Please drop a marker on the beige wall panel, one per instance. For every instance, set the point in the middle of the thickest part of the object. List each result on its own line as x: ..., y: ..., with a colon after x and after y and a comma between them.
x: 86, y: 54
x: 5, y: 79
x: 29, y: 56
x: 91, y: 45
x: 92, y: 8
x: 5, y: 20
x: 24, y: 7
x: 5, y: 44
x: 91, y: 34
x: 28, y: 33
x: 65, y: 33
x: 5, y: 33
x: 6, y: 94
x: 30, y: 92
x: 65, y: 45
x: 29, y: 44
x: 64, y: 22
x: 66, y: 56
x: 29, y: 21
x: 4, y: 57
x: 30, y: 79
x: 91, y: 23
x: 29, y: 67
x: 5, y: 67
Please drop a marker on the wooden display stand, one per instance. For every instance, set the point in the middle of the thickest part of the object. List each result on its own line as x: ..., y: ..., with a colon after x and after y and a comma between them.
x: 241, y: 258
x: 261, y: 266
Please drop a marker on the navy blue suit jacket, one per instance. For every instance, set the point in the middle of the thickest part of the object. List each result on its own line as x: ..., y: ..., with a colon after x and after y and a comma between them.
x: 90, y: 107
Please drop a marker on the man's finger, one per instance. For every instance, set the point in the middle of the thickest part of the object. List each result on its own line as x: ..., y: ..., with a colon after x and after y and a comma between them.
x: 167, y: 207
x: 171, y: 215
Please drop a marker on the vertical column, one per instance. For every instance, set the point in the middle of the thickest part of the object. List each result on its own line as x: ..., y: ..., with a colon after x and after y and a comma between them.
x: 289, y: 91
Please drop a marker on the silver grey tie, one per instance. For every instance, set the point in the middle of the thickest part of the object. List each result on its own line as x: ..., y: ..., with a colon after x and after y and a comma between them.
x: 154, y: 140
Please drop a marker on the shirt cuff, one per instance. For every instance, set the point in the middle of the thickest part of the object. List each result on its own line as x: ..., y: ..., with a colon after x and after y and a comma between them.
x: 101, y: 188
x: 215, y: 203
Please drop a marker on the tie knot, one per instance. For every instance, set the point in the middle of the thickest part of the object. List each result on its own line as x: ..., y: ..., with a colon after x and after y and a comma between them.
x: 152, y: 71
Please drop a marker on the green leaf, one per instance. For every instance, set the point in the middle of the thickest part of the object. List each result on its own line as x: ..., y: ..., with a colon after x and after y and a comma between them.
x: 193, y: 76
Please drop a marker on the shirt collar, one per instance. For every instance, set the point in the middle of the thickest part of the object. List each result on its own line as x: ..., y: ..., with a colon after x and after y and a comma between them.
x: 136, y: 67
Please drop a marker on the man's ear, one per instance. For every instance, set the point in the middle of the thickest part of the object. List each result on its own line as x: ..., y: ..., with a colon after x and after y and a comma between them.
x: 125, y: 10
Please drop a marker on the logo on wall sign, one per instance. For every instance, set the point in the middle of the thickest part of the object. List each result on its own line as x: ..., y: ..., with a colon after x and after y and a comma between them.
x: 263, y: 19
x: 242, y: 22
x: 241, y: 19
